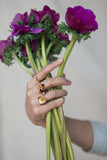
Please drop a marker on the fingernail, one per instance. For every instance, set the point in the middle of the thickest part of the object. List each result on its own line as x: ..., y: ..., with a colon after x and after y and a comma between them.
x: 64, y: 76
x: 60, y: 60
x: 69, y: 82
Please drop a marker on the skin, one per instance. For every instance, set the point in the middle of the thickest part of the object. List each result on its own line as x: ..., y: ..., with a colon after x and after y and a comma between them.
x: 80, y: 131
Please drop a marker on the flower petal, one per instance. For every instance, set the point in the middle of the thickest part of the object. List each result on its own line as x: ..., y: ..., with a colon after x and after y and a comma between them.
x: 3, y: 46
x: 20, y: 17
x: 37, y: 30
x: 51, y: 13
x: 81, y: 19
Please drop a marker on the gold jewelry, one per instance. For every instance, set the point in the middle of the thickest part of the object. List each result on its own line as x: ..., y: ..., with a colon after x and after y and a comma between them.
x: 35, y: 78
x: 41, y: 88
x: 42, y: 99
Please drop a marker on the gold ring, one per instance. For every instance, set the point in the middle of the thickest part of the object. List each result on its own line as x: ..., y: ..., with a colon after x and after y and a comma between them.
x: 42, y: 100
x: 41, y: 88
x: 35, y: 78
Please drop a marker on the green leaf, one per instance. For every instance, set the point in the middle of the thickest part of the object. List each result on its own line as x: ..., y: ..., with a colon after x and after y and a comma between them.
x: 66, y: 29
x: 28, y: 37
x: 20, y: 22
x: 63, y: 28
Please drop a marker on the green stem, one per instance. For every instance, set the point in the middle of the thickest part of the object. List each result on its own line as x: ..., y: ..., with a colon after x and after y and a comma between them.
x: 53, y: 147
x: 66, y: 56
x: 49, y: 48
x: 48, y: 130
x: 38, y: 60
x: 44, y: 51
x: 32, y: 62
x: 60, y: 74
x: 62, y: 138
x: 69, y: 145
x: 63, y: 134
x: 48, y: 116
x: 23, y: 66
x: 57, y: 145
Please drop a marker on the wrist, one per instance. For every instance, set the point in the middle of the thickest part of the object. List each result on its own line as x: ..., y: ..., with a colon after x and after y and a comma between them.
x: 80, y: 132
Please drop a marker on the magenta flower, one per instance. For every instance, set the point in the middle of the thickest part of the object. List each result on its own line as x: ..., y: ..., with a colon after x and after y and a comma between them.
x: 51, y: 13
x: 33, y: 45
x: 3, y: 46
x: 36, y: 15
x: 18, y: 17
x: 18, y: 30
x: 80, y: 19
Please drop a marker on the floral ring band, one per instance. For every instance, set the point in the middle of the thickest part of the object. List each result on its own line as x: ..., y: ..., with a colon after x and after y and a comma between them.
x: 42, y: 99
x: 35, y: 78
x: 40, y: 86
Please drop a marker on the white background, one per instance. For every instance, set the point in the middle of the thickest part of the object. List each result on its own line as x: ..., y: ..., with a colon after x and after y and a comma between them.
x: 87, y: 98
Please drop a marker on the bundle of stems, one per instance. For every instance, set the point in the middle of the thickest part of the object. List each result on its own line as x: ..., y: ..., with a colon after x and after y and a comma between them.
x: 57, y: 136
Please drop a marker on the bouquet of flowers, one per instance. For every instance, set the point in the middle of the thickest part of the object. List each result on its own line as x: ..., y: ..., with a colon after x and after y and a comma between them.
x: 37, y: 39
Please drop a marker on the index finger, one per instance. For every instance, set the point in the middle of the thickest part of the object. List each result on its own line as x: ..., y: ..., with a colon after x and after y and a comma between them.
x: 47, y: 69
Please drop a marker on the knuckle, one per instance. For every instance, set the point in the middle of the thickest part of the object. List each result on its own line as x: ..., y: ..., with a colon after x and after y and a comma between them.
x: 28, y: 94
x: 37, y: 111
x: 49, y: 80
x: 32, y: 101
x: 59, y: 79
x: 28, y: 85
x: 53, y: 103
x: 54, y: 93
x: 43, y: 70
x: 62, y: 80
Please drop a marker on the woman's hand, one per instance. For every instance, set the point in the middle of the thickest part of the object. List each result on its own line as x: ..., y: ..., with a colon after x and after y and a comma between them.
x: 35, y: 111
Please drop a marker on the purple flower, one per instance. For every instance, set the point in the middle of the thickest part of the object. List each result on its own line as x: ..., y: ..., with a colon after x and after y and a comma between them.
x: 51, y: 13
x: 18, y: 30
x: 81, y: 19
x: 36, y: 16
x: 18, y: 17
x: 62, y: 36
x: 33, y: 45
x: 3, y: 46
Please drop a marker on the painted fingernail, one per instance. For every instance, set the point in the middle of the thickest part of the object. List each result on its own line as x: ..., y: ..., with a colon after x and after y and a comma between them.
x: 69, y: 82
x: 64, y: 76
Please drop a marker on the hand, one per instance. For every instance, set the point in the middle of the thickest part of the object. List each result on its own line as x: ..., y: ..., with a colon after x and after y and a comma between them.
x: 35, y: 111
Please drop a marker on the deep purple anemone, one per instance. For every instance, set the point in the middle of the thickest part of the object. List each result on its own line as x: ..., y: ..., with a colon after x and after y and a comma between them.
x: 20, y: 17
x: 80, y: 19
x: 51, y: 13
x: 3, y: 46
x: 18, y: 30
x: 36, y: 15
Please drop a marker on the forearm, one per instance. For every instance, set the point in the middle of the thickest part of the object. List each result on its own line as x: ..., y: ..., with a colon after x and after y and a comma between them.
x: 80, y: 132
